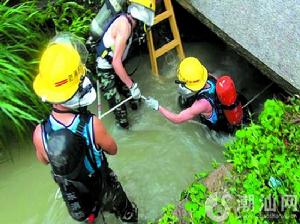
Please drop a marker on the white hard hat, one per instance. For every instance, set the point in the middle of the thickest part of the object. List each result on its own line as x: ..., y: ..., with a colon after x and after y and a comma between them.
x: 141, y: 13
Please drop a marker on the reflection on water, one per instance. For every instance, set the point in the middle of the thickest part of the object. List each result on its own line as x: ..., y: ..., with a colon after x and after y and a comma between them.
x: 156, y: 159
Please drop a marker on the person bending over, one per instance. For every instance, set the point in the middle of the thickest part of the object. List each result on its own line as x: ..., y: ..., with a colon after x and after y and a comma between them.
x: 112, y: 50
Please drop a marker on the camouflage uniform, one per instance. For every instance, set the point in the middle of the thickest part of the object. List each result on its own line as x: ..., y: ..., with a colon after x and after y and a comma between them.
x: 112, y: 88
x: 111, y: 85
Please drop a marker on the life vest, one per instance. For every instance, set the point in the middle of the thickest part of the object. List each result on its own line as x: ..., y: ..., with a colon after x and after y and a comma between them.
x: 229, y: 100
x: 105, y: 53
x: 77, y: 165
x: 209, y: 94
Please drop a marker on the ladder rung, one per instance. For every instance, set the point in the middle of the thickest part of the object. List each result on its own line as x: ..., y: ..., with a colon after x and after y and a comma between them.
x: 162, y: 16
x: 169, y: 46
x: 168, y: 14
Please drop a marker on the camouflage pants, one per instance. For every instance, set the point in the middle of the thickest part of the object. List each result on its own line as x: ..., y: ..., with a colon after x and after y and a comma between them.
x: 112, y: 88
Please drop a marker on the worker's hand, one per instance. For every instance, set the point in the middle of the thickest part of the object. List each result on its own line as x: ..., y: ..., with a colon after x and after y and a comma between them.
x: 152, y: 103
x: 135, y: 91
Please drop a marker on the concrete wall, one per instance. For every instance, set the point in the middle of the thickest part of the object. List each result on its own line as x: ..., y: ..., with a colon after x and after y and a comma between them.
x: 265, y: 32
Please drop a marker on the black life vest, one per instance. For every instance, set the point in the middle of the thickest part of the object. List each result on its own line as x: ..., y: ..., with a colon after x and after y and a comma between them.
x: 66, y: 152
x: 210, y: 95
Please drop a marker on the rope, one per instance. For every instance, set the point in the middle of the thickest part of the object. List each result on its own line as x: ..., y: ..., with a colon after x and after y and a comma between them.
x: 115, y: 107
x: 257, y: 95
x: 58, y: 194
x: 98, y: 99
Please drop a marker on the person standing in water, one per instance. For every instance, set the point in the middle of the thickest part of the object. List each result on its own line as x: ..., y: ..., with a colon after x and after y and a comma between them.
x: 112, y: 49
x: 74, y: 141
x: 197, y: 96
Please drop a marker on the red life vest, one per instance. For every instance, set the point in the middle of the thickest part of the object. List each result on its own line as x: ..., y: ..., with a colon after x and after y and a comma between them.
x: 227, y: 95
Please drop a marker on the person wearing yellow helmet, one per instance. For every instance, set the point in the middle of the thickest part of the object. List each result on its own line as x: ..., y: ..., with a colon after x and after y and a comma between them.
x: 74, y: 141
x: 197, y: 90
x: 112, y: 49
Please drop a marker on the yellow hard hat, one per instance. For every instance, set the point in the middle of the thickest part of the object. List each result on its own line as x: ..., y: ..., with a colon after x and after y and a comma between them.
x: 150, y: 4
x: 60, y: 71
x: 192, y: 73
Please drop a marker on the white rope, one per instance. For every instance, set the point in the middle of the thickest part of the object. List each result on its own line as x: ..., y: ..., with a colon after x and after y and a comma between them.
x: 257, y: 95
x: 115, y: 107
x: 58, y: 194
x: 98, y: 99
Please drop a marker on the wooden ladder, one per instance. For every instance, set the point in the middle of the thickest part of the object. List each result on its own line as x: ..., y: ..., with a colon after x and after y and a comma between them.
x: 175, y: 43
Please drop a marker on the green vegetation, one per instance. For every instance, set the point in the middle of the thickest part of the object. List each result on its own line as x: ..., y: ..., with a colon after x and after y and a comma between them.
x: 266, y: 170
x: 25, y: 29
x: 71, y: 16
x: 265, y: 155
x: 21, y: 36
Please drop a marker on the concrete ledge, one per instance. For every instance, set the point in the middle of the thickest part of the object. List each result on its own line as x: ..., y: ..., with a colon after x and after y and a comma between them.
x: 265, y: 32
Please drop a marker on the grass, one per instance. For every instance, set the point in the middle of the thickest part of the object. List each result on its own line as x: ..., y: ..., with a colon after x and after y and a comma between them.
x: 22, y: 36
x: 25, y: 30
x: 265, y: 161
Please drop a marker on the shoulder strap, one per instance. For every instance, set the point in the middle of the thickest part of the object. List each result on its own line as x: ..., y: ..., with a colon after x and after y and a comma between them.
x: 204, y: 93
x: 80, y: 127
x: 103, y: 51
x: 46, y: 129
x: 83, y: 120
x: 232, y: 106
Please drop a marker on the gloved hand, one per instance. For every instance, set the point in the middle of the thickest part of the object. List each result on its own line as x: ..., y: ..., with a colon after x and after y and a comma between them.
x: 152, y: 103
x: 135, y: 91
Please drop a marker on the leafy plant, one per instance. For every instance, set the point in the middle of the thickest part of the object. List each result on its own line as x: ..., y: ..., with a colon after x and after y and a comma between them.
x: 265, y: 158
x: 21, y: 35
x: 25, y: 29
x: 169, y: 217
x: 71, y: 16
x: 267, y: 152
x: 195, y: 205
